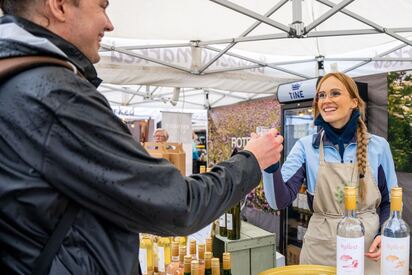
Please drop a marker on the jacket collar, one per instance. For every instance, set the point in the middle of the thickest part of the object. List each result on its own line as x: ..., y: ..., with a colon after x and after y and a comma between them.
x: 326, y: 141
x: 70, y: 52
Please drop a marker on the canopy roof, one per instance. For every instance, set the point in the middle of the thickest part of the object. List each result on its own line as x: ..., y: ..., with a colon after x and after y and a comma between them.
x: 217, y: 52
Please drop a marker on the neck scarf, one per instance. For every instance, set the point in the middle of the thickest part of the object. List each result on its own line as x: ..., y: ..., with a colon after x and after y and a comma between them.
x: 343, y: 135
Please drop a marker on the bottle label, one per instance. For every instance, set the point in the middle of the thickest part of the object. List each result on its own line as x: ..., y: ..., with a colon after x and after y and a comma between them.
x: 395, y: 256
x: 143, y: 260
x: 350, y: 255
x: 222, y: 220
x: 229, y: 221
x: 300, y: 233
x: 161, y: 259
x: 295, y: 202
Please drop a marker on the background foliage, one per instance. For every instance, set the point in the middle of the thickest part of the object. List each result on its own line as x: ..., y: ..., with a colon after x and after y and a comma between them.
x: 400, y: 119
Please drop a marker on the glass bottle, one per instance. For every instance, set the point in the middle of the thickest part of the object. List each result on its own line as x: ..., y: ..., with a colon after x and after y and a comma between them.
x: 182, y: 255
x: 350, y: 238
x: 300, y: 229
x: 222, y: 225
x: 233, y: 222
x: 208, y: 244
x: 201, y: 256
x: 146, y: 255
x: 208, y: 263
x: 163, y: 254
x: 174, y: 264
x: 187, y: 265
x: 194, y: 267
x: 227, y: 268
x: 395, y: 239
x: 192, y: 249
x: 215, y: 266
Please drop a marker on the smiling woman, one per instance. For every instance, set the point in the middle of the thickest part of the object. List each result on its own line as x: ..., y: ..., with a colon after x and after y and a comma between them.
x: 342, y: 153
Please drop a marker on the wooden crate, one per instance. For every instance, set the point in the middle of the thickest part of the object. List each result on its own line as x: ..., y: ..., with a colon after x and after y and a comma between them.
x: 254, y: 252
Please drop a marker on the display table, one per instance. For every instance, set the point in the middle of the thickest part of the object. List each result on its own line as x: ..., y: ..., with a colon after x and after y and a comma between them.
x: 254, y: 252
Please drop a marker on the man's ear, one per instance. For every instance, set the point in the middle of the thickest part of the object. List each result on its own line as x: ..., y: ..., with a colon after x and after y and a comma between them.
x: 58, y: 9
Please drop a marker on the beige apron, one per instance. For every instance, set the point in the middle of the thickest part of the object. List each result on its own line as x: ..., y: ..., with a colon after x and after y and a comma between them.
x: 319, y: 243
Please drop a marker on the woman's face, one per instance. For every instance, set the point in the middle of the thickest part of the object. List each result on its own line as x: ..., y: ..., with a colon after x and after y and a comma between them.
x: 335, y: 103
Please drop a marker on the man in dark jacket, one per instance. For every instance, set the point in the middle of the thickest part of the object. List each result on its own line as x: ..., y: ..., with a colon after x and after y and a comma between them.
x: 61, y: 145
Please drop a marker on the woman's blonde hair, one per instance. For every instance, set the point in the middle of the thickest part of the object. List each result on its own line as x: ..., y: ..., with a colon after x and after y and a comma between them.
x: 361, y: 134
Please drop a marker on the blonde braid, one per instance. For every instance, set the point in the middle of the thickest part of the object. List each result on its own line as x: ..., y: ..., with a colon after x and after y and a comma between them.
x: 361, y: 155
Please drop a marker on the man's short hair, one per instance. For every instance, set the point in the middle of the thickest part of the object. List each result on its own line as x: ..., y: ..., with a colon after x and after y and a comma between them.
x: 22, y: 7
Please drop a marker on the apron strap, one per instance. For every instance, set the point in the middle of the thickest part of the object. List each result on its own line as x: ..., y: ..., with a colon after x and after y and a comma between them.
x: 321, y: 153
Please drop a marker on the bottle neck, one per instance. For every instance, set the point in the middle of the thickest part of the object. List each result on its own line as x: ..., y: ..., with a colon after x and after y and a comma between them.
x: 396, y: 214
x: 350, y: 213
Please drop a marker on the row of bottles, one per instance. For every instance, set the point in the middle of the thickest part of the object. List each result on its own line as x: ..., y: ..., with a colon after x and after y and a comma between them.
x: 350, y: 238
x: 229, y: 223
x: 302, y: 227
x: 169, y: 256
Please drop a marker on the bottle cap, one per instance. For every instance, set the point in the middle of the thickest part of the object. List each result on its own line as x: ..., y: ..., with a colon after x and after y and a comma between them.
x: 194, y: 267
x: 350, y: 197
x: 209, y: 244
x: 182, y: 252
x: 349, y: 190
x: 226, y: 260
x: 201, y: 251
x: 396, y: 199
x: 396, y: 192
x: 208, y: 259
x: 187, y: 263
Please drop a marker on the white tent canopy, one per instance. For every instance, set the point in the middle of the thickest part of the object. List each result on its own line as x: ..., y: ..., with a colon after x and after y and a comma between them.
x: 218, y: 52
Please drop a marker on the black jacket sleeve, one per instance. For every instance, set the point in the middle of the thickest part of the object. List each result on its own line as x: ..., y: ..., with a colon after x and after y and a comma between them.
x: 90, y: 156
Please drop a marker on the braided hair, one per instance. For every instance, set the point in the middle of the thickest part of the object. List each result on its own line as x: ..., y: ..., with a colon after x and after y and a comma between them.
x: 362, y: 131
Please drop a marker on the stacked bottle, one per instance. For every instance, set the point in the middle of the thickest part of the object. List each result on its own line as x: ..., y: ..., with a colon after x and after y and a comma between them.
x: 395, y: 239
x: 215, y: 266
x: 174, y: 265
x: 187, y: 265
x: 208, y: 263
x: 350, y: 238
x: 163, y: 254
x: 227, y: 268
x: 146, y: 255
x: 233, y: 222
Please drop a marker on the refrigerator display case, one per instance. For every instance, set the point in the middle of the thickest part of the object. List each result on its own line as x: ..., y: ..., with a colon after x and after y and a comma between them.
x: 297, y: 122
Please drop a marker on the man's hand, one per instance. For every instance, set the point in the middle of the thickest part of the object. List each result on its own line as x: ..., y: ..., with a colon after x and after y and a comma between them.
x: 266, y: 148
x: 374, y: 252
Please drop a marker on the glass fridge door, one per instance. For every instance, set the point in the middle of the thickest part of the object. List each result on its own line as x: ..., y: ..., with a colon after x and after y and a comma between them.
x: 297, y: 123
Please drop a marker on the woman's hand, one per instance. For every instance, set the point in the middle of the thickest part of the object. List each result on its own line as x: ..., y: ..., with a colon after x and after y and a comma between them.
x: 375, y: 250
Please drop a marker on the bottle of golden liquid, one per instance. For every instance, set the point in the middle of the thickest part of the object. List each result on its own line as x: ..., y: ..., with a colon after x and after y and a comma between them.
x: 209, y: 245
x: 233, y: 222
x: 227, y: 267
x: 208, y: 263
x: 395, y: 239
x: 215, y: 266
x: 174, y: 264
x: 163, y: 254
x: 187, y: 265
x: 182, y: 255
x: 201, y: 256
x: 350, y: 247
x: 195, y: 267
x: 146, y: 255
x: 192, y: 249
